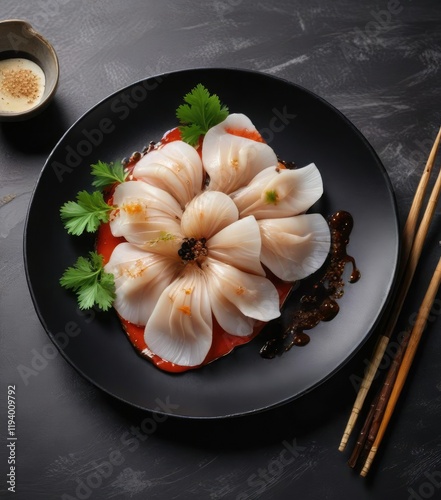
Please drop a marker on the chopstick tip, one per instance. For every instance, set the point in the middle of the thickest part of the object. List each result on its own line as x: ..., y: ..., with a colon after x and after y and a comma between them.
x: 368, y: 463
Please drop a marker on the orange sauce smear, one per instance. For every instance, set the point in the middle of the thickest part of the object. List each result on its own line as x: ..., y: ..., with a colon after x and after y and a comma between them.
x: 246, y: 133
x: 223, y: 342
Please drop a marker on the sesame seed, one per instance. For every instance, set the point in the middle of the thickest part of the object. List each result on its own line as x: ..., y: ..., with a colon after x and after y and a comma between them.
x: 20, y: 83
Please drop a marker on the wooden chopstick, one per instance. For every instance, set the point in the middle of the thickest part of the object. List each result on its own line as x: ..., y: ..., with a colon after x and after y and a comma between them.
x: 415, y: 209
x: 411, y: 251
x: 408, y: 358
x: 370, y: 428
x: 364, y: 433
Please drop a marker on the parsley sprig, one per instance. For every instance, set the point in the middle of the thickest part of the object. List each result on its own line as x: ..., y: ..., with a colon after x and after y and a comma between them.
x: 90, y: 209
x: 92, y: 285
x: 201, y: 112
x: 107, y: 174
x: 87, y: 277
x: 85, y: 214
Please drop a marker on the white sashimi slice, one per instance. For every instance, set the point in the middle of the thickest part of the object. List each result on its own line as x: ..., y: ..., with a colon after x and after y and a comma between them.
x: 239, y: 245
x: 294, y: 247
x: 180, y: 327
x: 140, y: 278
x: 146, y: 216
x: 237, y: 297
x: 232, y: 161
x: 207, y: 214
x: 276, y: 192
x: 176, y: 167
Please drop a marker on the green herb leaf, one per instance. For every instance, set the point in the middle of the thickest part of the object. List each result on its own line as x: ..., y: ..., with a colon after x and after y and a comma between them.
x: 191, y: 133
x: 107, y: 174
x: 201, y: 112
x: 163, y: 236
x: 92, y: 285
x: 271, y: 197
x: 86, y: 213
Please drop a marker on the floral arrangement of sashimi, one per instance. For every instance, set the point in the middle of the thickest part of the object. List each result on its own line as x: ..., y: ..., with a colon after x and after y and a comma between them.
x: 200, y: 237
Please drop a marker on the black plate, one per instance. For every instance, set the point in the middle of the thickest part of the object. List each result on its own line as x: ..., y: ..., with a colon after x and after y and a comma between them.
x: 300, y: 126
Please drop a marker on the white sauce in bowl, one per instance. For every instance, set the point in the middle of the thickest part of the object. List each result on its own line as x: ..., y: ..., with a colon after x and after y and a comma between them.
x: 22, y: 84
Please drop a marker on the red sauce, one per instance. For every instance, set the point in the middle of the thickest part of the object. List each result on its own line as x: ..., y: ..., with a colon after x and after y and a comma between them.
x: 172, y: 135
x: 106, y: 242
x: 223, y: 343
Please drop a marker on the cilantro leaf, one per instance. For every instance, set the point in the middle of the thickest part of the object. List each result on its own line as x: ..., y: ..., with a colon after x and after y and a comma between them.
x: 201, y: 112
x: 86, y: 213
x: 107, y: 174
x: 191, y: 133
x: 92, y: 285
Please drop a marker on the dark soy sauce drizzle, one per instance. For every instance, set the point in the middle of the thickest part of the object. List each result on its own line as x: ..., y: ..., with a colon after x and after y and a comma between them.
x: 320, y: 304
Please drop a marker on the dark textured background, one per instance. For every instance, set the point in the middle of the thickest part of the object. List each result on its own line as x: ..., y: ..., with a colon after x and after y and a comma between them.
x: 377, y: 62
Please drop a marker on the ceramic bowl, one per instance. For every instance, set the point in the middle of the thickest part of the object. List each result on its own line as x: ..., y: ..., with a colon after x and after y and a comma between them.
x: 18, y: 39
